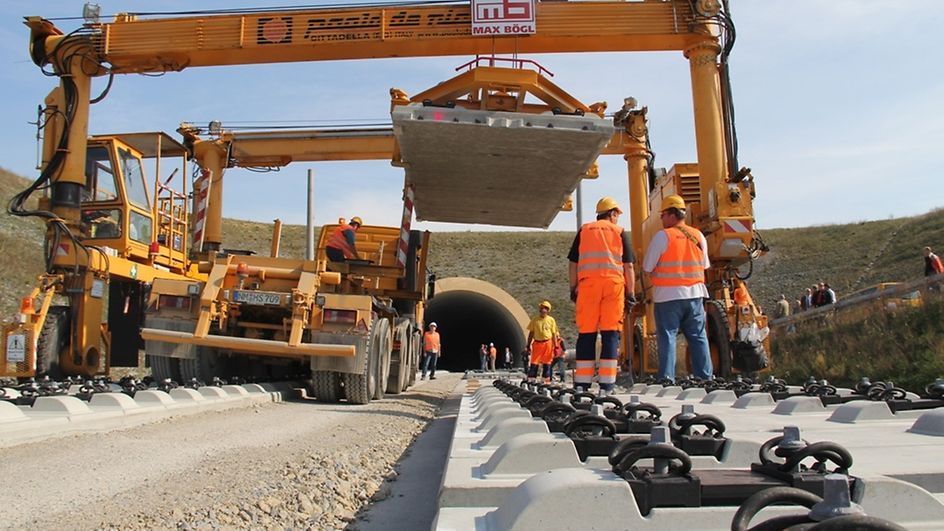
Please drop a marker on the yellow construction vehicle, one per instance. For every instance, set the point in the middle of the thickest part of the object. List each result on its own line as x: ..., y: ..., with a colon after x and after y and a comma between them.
x: 79, y: 271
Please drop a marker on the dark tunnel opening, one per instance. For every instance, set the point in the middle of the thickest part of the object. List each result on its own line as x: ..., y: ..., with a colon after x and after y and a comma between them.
x: 466, y: 320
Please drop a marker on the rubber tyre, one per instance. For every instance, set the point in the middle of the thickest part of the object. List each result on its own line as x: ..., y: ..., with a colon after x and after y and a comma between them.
x: 415, y: 340
x: 163, y: 368
x: 204, y: 367
x: 719, y: 338
x: 360, y: 388
x: 325, y: 386
x: 382, y: 369
x: 53, y: 339
x: 398, y: 379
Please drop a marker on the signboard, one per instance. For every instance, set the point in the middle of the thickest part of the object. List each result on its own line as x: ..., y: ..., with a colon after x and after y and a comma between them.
x: 503, y: 17
x: 16, y: 348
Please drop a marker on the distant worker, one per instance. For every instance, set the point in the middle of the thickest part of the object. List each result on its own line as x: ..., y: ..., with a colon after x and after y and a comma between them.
x: 829, y: 296
x: 819, y: 294
x: 557, y: 365
x: 932, y: 263
x: 492, y: 355
x: 783, y: 307
x: 508, y: 358
x: 676, y: 261
x: 603, y: 284
x: 806, y: 301
x: 542, y: 336
x: 341, y: 245
x: 431, y: 351
x: 483, y: 357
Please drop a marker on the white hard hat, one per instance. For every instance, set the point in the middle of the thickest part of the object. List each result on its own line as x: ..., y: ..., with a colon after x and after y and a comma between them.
x: 491, y: 344
x: 432, y: 324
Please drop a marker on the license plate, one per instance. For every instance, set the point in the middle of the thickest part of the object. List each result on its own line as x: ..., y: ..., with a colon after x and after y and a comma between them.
x: 258, y: 298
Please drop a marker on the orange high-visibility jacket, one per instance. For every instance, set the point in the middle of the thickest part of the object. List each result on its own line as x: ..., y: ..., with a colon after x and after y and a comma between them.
x: 600, y: 253
x: 431, y: 341
x: 682, y: 263
x: 338, y: 241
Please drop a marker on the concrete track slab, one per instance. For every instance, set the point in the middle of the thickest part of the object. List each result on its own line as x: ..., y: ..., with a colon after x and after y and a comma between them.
x: 472, y: 166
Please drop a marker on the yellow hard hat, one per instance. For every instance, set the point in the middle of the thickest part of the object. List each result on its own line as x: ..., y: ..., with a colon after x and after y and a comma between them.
x: 606, y: 204
x: 673, y: 201
x: 546, y: 304
x: 357, y: 220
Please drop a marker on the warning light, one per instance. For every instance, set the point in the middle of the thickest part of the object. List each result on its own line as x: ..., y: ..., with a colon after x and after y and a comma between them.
x: 438, y: 116
x: 26, y: 305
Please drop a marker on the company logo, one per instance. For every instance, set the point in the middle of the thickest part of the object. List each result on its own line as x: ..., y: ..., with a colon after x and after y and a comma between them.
x: 503, y: 17
x: 274, y: 30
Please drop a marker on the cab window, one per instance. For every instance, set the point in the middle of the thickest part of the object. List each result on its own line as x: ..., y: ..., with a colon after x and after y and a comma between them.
x: 103, y: 223
x: 134, y: 179
x: 99, y: 176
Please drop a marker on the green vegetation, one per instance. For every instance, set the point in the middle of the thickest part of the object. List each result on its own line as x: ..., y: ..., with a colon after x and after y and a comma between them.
x: 905, y: 347
x: 532, y: 266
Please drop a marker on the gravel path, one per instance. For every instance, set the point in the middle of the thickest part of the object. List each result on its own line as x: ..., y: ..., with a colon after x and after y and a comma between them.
x: 298, y: 464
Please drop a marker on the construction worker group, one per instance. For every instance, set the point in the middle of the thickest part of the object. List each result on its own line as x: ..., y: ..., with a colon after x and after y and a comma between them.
x: 602, y: 284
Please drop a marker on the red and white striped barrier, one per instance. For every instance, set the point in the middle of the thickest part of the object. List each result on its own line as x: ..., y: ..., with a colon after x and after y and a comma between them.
x: 405, y: 225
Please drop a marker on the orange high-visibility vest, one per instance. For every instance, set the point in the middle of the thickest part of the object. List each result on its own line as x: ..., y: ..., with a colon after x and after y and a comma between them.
x: 682, y: 263
x: 431, y: 341
x: 338, y: 241
x: 600, y: 253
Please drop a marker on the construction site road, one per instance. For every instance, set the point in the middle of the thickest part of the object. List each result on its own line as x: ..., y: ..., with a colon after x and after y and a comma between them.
x: 296, y: 464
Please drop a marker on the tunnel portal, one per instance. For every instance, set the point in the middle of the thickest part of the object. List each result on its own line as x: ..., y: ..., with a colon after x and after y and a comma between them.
x: 470, y: 312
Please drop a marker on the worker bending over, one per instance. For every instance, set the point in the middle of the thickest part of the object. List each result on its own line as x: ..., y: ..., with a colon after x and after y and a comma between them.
x: 341, y: 245
x: 542, y: 336
x: 676, y: 260
x: 602, y: 283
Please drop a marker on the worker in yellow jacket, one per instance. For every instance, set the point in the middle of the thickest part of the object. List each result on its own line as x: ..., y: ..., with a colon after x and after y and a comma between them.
x: 542, y: 336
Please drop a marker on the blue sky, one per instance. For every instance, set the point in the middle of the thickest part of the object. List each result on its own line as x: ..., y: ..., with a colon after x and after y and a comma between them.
x: 838, y: 108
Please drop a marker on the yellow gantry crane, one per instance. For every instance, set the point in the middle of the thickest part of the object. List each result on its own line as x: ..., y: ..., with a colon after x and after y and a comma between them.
x: 80, y: 269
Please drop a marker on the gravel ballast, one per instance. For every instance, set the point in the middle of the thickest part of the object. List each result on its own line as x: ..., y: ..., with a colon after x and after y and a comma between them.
x: 296, y: 464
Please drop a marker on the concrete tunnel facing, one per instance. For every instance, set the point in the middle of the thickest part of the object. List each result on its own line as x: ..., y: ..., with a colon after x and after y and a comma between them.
x: 470, y: 312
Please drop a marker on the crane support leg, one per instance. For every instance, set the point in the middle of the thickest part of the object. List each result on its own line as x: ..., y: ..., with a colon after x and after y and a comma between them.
x: 709, y: 131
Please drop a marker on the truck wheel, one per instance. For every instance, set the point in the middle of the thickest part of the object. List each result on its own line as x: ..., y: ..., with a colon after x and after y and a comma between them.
x: 204, y: 367
x: 325, y: 386
x: 53, y: 338
x: 414, y: 357
x: 382, y: 370
x: 163, y: 368
x: 398, y: 379
x: 359, y: 388
x: 719, y: 337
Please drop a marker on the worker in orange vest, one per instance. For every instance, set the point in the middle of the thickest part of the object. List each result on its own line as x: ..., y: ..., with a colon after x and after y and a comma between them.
x: 431, y: 351
x: 602, y: 282
x: 675, y: 261
x: 340, y: 245
x: 492, y: 355
x: 542, y: 336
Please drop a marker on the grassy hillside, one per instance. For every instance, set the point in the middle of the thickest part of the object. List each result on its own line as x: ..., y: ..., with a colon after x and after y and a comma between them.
x: 906, y: 347
x: 850, y: 257
x: 21, y: 245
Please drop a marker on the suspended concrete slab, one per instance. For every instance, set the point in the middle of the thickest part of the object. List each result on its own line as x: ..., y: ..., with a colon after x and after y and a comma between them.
x: 497, y: 168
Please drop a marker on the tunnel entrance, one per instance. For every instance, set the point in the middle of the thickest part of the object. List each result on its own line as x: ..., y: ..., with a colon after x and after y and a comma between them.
x: 470, y: 312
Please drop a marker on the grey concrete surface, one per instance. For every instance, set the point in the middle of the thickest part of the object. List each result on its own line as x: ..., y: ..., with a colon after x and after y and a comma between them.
x: 412, y: 503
